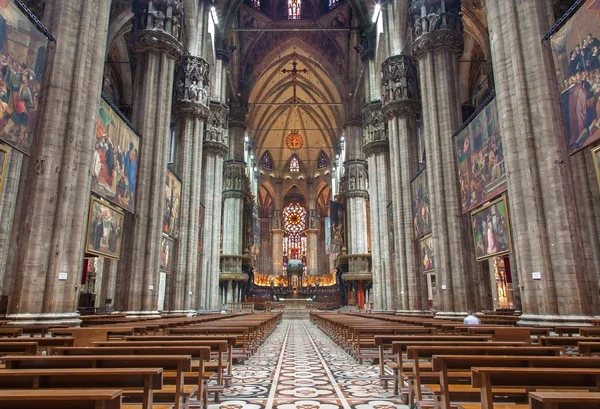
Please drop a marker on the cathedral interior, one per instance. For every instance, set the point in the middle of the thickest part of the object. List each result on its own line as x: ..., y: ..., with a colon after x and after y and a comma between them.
x: 166, y: 157
x: 299, y: 204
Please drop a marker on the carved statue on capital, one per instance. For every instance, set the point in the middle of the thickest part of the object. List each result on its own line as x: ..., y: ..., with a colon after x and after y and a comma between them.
x: 436, y: 24
x: 157, y: 25
x: 192, y: 86
x: 216, y: 126
x: 373, y: 125
x: 234, y: 176
x: 277, y: 220
x: 400, y: 86
x: 356, y: 175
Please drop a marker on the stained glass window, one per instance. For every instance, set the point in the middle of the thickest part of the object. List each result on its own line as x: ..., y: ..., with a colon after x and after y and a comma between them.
x: 294, y: 9
x: 294, y: 219
x: 256, y: 3
x: 266, y: 161
x: 294, y: 164
x: 322, y: 161
x: 333, y: 3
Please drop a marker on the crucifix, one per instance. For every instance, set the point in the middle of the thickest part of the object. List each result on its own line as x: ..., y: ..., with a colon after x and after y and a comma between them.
x: 294, y: 73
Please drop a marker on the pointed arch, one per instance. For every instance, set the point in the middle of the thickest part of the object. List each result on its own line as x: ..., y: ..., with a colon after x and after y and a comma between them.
x: 322, y: 160
x: 266, y: 161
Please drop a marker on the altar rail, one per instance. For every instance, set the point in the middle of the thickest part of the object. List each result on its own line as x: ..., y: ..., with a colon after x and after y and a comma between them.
x: 239, y: 307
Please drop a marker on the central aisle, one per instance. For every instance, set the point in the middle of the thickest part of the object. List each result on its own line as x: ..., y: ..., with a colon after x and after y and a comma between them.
x: 299, y: 367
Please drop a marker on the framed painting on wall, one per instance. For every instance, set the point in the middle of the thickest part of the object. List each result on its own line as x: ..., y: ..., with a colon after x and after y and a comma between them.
x: 576, y: 52
x: 105, y: 229
x: 491, y: 230
x: 172, y: 205
x: 596, y: 157
x: 166, y: 253
x: 116, y: 158
x: 427, y: 254
x: 420, y: 208
x: 22, y: 61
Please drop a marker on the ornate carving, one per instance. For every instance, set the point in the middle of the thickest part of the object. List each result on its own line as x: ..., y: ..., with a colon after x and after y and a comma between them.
x: 234, y: 176
x: 191, y: 91
x: 277, y: 220
x: 366, y: 45
x: 165, y: 16
x: 436, y: 24
x: 215, y: 148
x: 373, y: 126
x: 155, y: 40
x: 400, y: 80
x: 216, y: 125
x: 313, y: 219
x: 224, y: 52
x: 376, y: 147
x: 356, y: 176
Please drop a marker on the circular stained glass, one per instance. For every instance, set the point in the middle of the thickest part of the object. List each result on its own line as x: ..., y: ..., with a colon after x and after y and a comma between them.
x: 294, y: 218
x: 294, y: 141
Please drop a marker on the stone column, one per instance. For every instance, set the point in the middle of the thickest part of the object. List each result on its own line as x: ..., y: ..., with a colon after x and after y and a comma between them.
x: 157, y: 46
x: 312, y: 232
x: 401, y: 106
x: 377, y: 153
x: 48, y: 237
x: 190, y: 110
x: 215, y: 149
x: 356, y: 204
x: 438, y: 43
x: 545, y: 214
x: 277, y: 229
x: 234, y: 193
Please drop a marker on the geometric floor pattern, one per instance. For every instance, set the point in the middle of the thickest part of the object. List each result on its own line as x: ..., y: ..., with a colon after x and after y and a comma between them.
x: 299, y: 367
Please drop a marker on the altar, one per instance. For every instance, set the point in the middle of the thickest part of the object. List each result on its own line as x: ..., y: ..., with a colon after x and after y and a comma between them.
x: 295, y: 308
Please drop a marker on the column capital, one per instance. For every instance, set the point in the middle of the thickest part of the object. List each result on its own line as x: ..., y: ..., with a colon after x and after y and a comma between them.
x: 436, y: 24
x: 374, y: 132
x: 191, y: 90
x: 224, y: 52
x: 216, y: 132
x: 376, y: 147
x: 356, y: 178
x: 354, y: 120
x: 400, y: 87
x: 157, y: 26
x: 234, y: 179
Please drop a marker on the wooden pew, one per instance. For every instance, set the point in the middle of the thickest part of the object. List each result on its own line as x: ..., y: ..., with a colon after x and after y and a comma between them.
x: 79, y: 398
x: 10, y: 332
x: 201, y: 353
x: 451, y: 369
x: 19, y: 348
x: 589, y: 331
x: 420, y: 353
x: 488, y: 379
x: 587, y: 348
x: 85, y: 337
x: 139, y: 378
x: 564, y: 400
x: 44, y: 344
x: 179, y: 364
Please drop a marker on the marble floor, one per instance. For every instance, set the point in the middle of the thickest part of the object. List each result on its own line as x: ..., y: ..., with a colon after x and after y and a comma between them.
x: 299, y: 367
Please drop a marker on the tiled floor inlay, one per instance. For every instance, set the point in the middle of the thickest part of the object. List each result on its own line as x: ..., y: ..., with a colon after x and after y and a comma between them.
x: 299, y: 367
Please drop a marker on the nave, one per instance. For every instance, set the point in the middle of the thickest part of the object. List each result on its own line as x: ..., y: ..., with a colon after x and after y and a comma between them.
x: 300, y: 367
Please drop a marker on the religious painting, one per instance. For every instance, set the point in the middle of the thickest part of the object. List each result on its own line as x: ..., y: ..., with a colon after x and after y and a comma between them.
x: 480, y: 156
x: 105, y: 229
x: 391, y: 235
x: 596, y: 157
x: 200, y: 229
x: 4, y: 156
x: 576, y: 52
x: 172, y: 205
x: 491, y: 230
x: 166, y: 253
x: 22, y: 60
x: 427, y: 254
x: 336, y: 217
x: 420, y: 208
x: 327, y: 223
x: 116, y: 158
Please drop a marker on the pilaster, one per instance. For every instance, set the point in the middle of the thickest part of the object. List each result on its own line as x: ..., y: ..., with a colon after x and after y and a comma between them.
x: 49, y: 231
x: 376, y: 151
x: 156, y: 34
x: 401, y: 108
x: 190, y: 111
x: 438, y: 43
x: 547, y: 194
x: 215, y: 147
